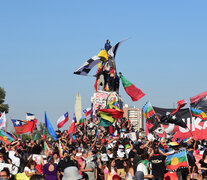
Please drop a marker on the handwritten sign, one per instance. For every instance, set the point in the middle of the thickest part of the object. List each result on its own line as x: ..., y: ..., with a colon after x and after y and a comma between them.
x: 102, y: 98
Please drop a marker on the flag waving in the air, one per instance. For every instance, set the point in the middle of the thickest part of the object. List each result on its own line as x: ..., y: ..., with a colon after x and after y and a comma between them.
x: 48, y: 125
x: 62, y: 120
x: 134, y: 92
x: 72, y: 126
x: 29, y: 116
x: 22, y: 127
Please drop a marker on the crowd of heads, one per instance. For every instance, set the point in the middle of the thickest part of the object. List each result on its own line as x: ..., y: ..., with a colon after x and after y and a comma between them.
x: 95, y: 152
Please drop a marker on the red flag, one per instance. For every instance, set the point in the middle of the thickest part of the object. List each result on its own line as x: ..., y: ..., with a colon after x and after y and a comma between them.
x: 198, y: 97
x: 72, y: 128
x: 134, y: 92
x: 181, y: 104
x: 22, y: 127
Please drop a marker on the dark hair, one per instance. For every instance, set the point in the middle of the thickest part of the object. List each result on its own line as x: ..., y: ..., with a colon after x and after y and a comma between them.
x: 109, y: 165
x: 129, y: 165
x: 52, y: 161
x: 7, y: 171
x: 156, y: 150
x: 140, y: 151
x: 204, y: 154
x: 144, y: 156
x: 37, y: 177
x: 36, y: 149
x: 31, y: 162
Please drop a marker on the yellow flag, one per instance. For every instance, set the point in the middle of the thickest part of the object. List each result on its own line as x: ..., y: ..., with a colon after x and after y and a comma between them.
x: 106, y: 116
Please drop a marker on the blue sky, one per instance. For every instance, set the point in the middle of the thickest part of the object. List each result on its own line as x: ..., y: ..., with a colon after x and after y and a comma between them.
x: 43, y: 42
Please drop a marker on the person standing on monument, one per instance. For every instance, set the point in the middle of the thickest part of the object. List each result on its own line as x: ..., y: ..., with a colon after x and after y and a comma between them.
x: 107, y: 45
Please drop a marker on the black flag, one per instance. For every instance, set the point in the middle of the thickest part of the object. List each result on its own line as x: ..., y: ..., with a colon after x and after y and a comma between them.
x: 165, y: 116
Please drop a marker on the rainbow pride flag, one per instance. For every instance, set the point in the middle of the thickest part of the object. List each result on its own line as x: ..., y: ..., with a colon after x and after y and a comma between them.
x: 198, y: 113
x: 176, y: 160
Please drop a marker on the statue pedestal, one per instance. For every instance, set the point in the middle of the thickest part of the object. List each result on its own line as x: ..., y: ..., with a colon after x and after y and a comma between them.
x: 102, y: 98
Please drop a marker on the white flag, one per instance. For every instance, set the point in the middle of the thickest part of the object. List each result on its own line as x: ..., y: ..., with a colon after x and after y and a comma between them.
x: 2, y: 120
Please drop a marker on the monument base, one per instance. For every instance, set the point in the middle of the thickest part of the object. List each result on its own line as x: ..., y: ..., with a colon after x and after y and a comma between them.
x: 102, y: 98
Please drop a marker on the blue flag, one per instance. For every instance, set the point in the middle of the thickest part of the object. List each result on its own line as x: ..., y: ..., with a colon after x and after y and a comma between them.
x: 48, y: 125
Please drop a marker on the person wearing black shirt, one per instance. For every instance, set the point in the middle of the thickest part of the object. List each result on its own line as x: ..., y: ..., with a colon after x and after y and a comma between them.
x: 158, y: 164
x: 64, y: 163
x: 202, y: 165
x: 137, y: 158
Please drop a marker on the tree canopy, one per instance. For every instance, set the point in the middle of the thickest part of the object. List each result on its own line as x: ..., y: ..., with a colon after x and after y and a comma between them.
x: 3, y: 107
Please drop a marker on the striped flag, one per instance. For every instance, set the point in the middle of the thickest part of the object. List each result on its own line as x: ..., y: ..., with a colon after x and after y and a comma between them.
x: 46, y: 147
x: 134, y: 92
x: 62, y: 120
x: 198, y: 113
x: 29, y: 116
x: 87, y: 66
x: 72, y: 128
x: 113, y: 50
x: 87, y: 112
x: 10, y: 134
x: 6, y: 138
x: 61, y: 149
x: 148, y: 110
x: 176, y: 160
x: 81, y: 121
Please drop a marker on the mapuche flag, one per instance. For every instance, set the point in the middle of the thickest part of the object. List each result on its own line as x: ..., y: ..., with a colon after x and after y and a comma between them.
x: 177, y: 160
x: 199, y: 105
x: 134, y: 92
x: 5, y: 137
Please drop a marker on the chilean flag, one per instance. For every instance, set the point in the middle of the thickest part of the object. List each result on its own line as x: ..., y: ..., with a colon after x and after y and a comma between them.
x: 87, y: 112
x: 62, y: 120
x: 72, y: 128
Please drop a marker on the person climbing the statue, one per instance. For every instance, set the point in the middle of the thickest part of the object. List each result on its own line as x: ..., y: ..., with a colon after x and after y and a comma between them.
x: 107, y: 45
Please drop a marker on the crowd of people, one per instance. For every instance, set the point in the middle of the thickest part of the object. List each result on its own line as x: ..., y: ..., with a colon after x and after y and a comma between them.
x: 103, y: 153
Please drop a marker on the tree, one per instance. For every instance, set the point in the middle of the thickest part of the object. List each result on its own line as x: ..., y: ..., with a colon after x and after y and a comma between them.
x: 39, y: 131
x: 3, y: 107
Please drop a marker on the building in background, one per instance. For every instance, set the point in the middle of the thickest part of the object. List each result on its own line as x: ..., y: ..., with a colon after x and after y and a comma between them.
x: 78, y: 109
x: 134, y: 115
